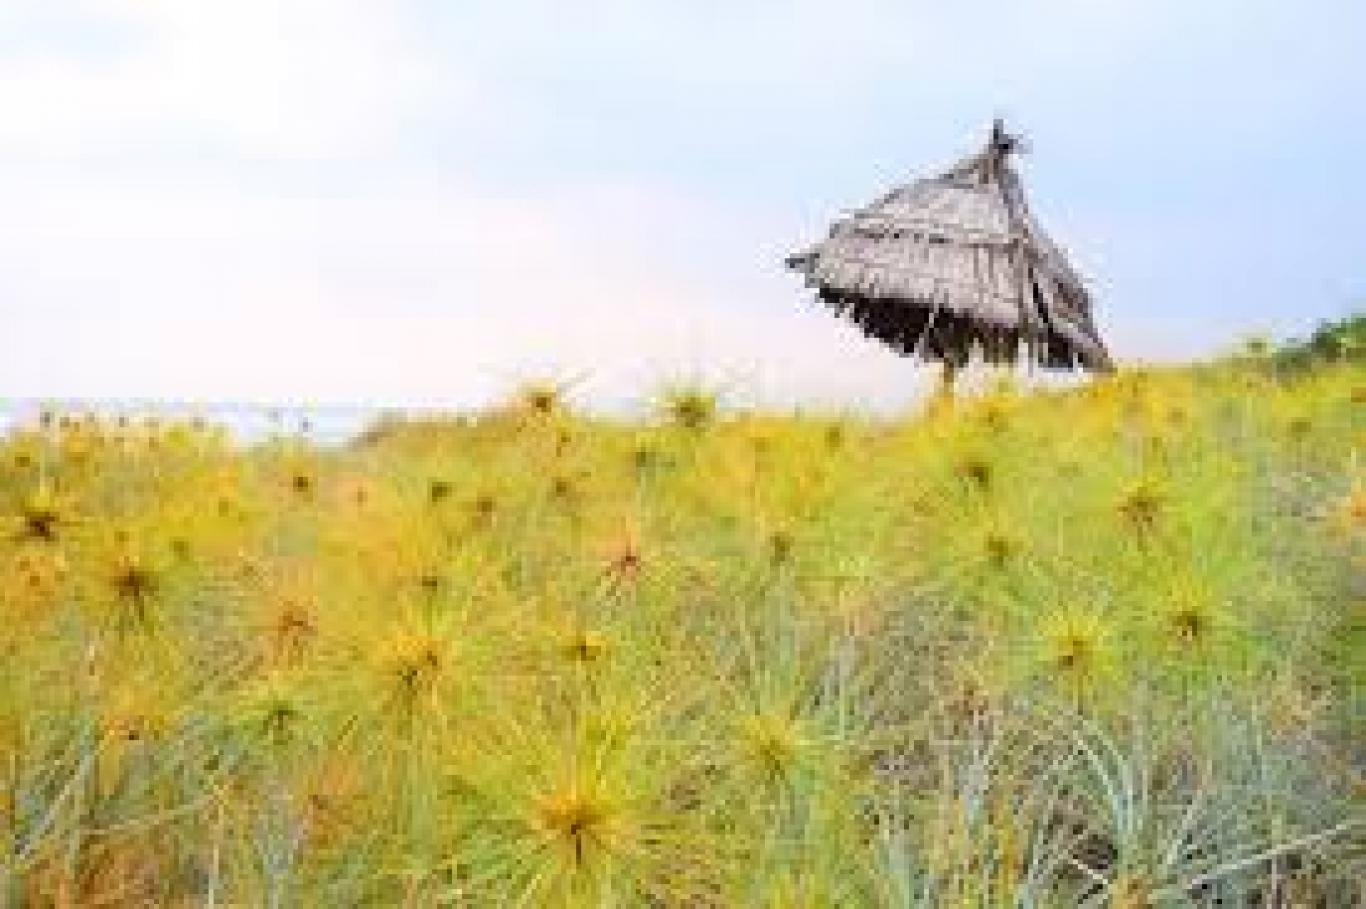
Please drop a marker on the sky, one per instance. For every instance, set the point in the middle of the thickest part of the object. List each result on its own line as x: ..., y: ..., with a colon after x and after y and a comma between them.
x: 422, y: 202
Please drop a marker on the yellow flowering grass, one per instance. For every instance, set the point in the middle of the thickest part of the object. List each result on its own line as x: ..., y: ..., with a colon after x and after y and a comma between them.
x: 1095, y: 646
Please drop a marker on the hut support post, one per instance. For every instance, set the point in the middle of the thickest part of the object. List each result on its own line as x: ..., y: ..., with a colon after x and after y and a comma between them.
x: 947, y: 379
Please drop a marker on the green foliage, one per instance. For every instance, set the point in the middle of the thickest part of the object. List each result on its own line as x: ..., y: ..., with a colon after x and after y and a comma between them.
x: 1094, y: 647
x: 1341, y: 341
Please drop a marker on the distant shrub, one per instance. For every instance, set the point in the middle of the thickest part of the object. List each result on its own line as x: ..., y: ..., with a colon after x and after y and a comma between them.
x: 1340, y: 341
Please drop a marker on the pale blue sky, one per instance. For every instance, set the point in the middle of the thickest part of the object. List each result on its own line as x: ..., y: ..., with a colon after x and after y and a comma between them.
x: 411, y: 202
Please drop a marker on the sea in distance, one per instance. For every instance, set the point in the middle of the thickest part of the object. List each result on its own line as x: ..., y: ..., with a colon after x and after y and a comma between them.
x: 245, y: 423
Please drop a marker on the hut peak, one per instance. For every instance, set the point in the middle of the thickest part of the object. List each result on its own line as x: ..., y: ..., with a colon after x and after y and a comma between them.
x: 955, y: 264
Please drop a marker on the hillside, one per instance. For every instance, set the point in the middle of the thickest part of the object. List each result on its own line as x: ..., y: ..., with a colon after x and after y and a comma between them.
x: 1100, y: 646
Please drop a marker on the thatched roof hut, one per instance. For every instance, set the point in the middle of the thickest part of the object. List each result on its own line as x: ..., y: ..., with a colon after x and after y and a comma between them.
x: 955, y: 263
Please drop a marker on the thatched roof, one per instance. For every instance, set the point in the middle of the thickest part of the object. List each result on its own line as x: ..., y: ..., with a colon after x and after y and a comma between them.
x: 954, y: 263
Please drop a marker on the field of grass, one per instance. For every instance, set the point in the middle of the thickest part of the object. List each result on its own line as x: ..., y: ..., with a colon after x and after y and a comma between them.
x: 1095, y: 647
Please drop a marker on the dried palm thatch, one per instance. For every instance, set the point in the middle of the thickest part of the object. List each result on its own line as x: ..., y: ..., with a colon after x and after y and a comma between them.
x: 952, y: 264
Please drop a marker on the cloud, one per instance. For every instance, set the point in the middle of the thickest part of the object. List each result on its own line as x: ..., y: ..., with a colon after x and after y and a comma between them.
x: 415, y: 292
x: 418, y: 201
x: 255, y: 78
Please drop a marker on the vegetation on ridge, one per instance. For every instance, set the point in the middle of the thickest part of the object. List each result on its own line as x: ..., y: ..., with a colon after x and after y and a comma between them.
x: 1096, y: 647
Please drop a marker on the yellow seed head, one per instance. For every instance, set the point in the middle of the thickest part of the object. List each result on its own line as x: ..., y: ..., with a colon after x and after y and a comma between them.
x: 41, y: 517
x: 581, y: 825
x: 585, y: 647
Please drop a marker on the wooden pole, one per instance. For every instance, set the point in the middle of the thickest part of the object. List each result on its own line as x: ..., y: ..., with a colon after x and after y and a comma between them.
x: 947, y: 378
